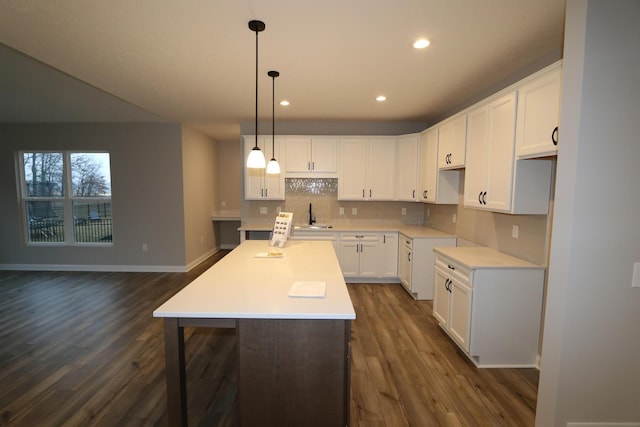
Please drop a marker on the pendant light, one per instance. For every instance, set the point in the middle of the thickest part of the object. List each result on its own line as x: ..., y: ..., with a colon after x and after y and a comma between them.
x: 256, y: 158
x: 273, y: 167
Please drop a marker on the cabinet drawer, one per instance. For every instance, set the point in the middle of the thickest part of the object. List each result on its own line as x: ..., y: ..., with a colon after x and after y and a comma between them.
x: 360, y: 237
x: 406, y: 241
x: 460, y: 273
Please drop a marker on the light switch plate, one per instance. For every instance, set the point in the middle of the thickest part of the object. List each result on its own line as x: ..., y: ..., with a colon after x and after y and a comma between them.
x: 354, y: 211
x: 635, y: 279
x: 263, y: 210
x: 516, y: 231
x: 341, y: 211
x: 404, y: 211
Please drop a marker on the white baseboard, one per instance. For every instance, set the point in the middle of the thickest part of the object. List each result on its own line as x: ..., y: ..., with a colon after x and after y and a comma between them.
x: 201, y: 258
x: 110, y: 268
x: 115, y: 268
x: 603, y: 424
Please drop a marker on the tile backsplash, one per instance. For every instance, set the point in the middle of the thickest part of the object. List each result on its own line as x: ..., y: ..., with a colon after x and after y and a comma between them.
x: 322, y: 193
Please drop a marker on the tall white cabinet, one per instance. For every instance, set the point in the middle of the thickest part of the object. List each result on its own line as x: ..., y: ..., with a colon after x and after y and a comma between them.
x: 367, y: 169
x: 494, y: 179
x: 539, y: 113
x: 311, y: 156
x: 435, y: 185
x: 258, y: 185
x: 406, y: 166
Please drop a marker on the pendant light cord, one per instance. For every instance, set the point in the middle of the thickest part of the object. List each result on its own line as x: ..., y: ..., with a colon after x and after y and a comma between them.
x: 256, y: 88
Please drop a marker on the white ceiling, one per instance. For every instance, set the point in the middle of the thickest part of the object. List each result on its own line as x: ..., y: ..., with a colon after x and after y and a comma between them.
x: 193, y: 61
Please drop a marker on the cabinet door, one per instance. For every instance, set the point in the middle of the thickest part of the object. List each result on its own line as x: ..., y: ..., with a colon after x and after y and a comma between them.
x: 407, y: 167
x: 257, y: 184
x: 350, y: 258
x: 538, y: 115
x: 324, y: 154
x: 500, y: 158
x: 381, y: 169
x: 428, y: 165
x: 253, y: 178
x: 477, y: 149
x: 297, y: 152
x: 452, y: 141
x: 369, y: 259
x: 441, y: 298
x: 389, y: 255
x: 460, y: 320
x: 352, y: 181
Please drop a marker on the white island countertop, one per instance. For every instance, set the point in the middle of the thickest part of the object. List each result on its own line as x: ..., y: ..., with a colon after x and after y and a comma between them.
x: 242, y: 285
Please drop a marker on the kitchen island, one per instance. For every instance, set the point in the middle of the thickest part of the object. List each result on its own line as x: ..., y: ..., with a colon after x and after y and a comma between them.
x: 293, y: 352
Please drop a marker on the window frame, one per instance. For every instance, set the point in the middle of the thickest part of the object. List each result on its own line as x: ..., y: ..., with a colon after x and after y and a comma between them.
x: 67, y: 200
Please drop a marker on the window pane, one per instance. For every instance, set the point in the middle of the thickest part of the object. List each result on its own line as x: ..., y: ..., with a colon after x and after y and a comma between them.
x: 92, y: 222
x: 45, y: 221
x: 90, y: 174
x: 43, y: 174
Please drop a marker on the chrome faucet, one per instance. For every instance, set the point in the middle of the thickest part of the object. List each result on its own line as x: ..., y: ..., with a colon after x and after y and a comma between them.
x: 311, y: 217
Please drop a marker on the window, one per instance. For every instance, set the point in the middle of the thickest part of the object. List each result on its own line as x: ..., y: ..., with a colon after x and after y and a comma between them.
x: 66, y: 197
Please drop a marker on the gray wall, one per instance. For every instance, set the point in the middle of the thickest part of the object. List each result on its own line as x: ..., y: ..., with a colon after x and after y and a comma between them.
x: 589, y: 368
x: 147, y: 186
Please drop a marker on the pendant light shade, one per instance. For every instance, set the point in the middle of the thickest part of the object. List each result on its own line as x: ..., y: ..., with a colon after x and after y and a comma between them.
x: 256, y: 158
x: 273, y: 168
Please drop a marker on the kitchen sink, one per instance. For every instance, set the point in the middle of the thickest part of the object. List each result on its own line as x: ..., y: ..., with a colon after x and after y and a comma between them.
x: 312, y: 227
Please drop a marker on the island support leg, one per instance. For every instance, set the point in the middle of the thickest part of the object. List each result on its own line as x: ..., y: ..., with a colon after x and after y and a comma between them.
x: 175, y: 372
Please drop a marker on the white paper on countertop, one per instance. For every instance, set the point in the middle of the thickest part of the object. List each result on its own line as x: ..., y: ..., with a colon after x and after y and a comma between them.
x: 303, y: 289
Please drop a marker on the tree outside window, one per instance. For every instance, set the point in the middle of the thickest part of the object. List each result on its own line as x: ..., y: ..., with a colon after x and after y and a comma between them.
x: 66, y: 197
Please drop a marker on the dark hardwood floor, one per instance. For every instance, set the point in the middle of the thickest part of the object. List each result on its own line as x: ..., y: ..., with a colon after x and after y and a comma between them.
x: 82, y: 349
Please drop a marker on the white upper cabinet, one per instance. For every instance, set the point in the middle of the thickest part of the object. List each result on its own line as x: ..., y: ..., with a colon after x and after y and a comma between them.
x: 435, y: 186
x: 257, y: 184
x: 311, y: 156
x: 539, y: 113
x: 451, y: 142
x: 367, y: 168
x: 407, y: 167
x: 494, y: 180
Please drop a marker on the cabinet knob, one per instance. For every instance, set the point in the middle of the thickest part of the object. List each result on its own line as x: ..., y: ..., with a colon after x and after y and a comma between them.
x: 554, y: 136
x: 451, y: 267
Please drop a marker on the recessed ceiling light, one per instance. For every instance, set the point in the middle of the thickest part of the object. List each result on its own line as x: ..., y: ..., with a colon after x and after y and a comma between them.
x: 421, y: 43
x: 381, y: 98
x: 284, y: 103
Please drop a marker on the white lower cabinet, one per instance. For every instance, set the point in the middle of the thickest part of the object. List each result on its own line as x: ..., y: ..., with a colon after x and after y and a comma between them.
x: 359, y: 255
x: 416, y: 261
x: 491, y: 310
x: 331, y: 236
x: 389, y: 255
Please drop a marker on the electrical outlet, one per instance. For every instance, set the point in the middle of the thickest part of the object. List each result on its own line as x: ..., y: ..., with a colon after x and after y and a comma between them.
x: 354, y: 211
x: 145, y: 247
x: 223, y: 204
x: 454, y: 218
x: 635, y: 279
x: 263, y: 210
x: 515, y: 232
x: 279, y: 209
x: 341, y: 211
x: 404, y: 211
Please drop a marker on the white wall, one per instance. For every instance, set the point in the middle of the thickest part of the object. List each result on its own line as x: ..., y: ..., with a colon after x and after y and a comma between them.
x: 589, y: 366
x: 199, y: 171
x: 146, y: 172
